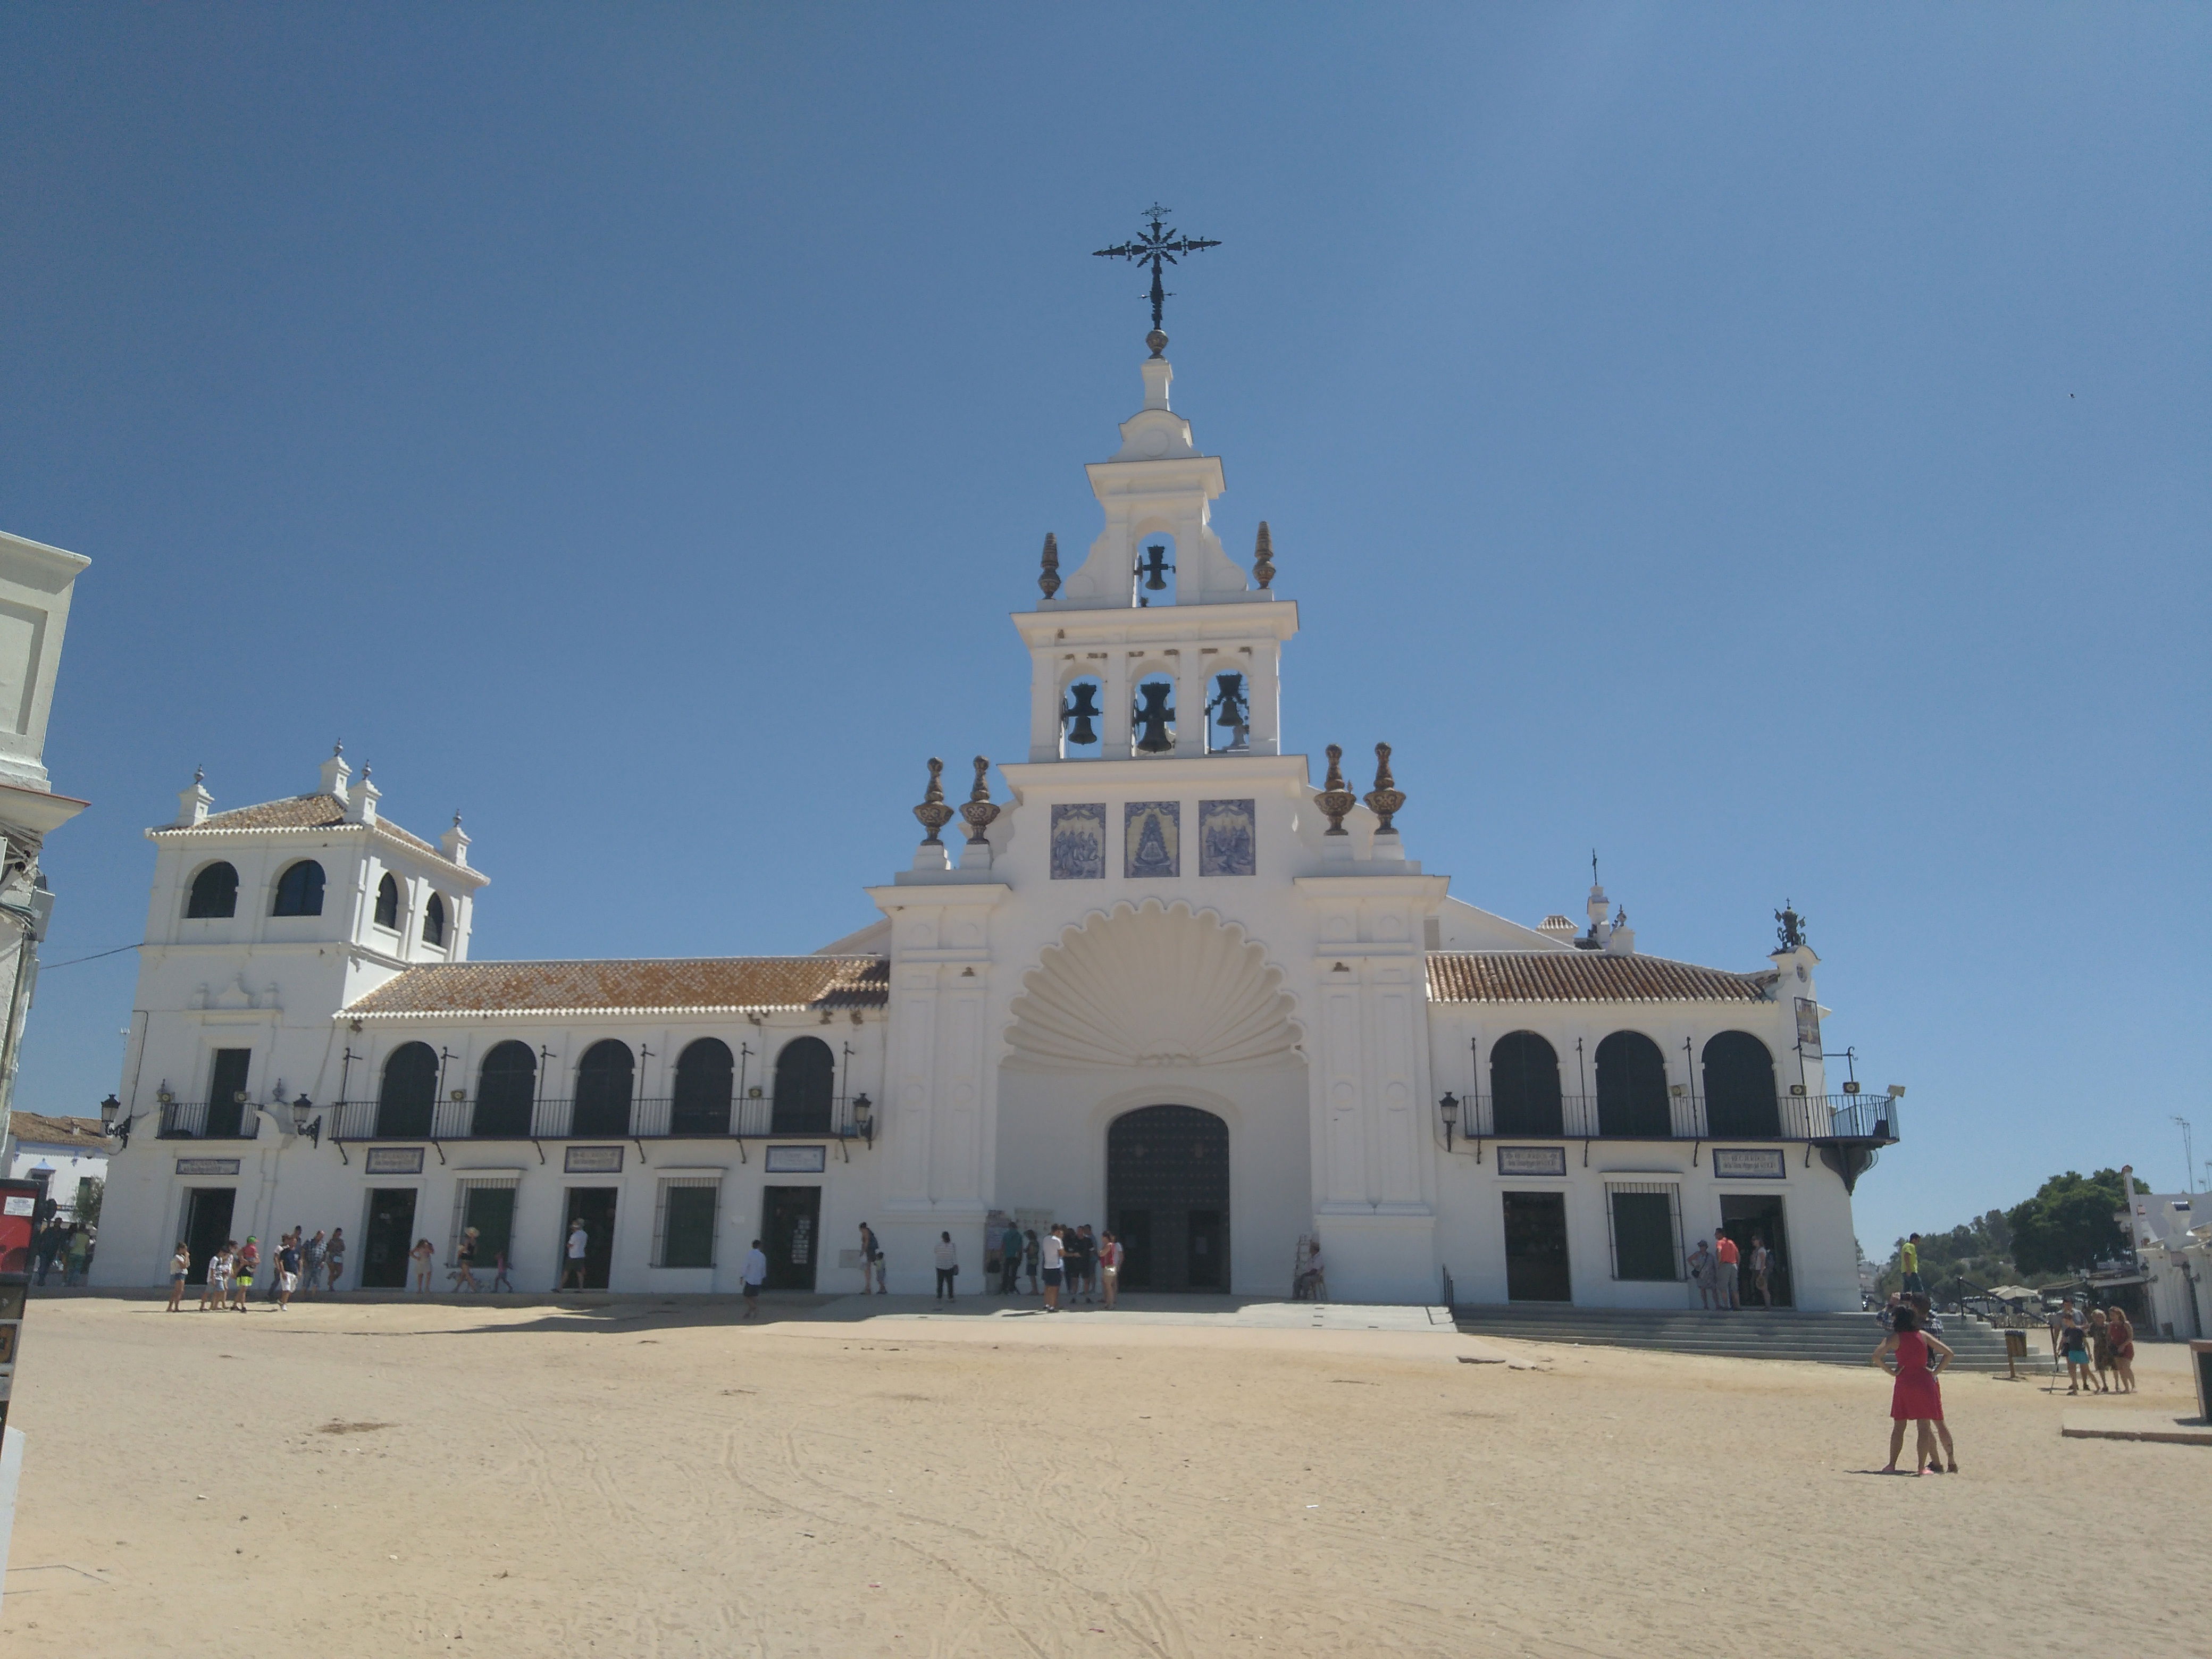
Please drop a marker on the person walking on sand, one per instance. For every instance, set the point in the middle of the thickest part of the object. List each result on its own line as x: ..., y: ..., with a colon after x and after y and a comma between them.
x: 948, y: 1267
x: 334, y: 1257
x: 464, y: 1262
x: 755, y: 1274
x: 869, y: 1251
x: 311, y: 1263
x: 1701, y: 1264
x: 1908, y: 1263
x: 241, y: 1275
x: 1109, y: 1267
x: 1762, y: 1263
x: 288, y: 1270
x: 1010, y: 1259
x: 580, y: 1245
x: 180, y: 1269
x: 499, y: 1279
x: 1917, y: 1397
x: 2123, y: 1350
x: 1724, y: 1247
x: 1087, y: 1243
x: 1049, y: 1253
x: 217, y: 1289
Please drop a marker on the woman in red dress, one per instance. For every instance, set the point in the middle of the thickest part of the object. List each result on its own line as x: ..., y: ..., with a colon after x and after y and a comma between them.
x: 1917, y: 1399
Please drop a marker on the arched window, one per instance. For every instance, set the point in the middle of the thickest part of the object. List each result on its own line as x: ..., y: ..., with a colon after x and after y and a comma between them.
x: 507, y: 1084
x: 1739, y: 1097
x: 604, y: 1077
x: 1632, y: 1088
x: 703, y: 1086
x: 300, y: 891
x: 387, y: 902
x: 434, y: 921
x: 215, y: 892
x: 409, y: 1093
x: 806, y: 1081
x: 1524, y: 1086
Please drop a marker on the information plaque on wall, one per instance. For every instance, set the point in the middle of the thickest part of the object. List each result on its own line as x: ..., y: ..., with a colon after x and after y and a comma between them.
x: 394, y: 1160
x: 592, y: 1160
x: 798, y: 1160
x: 1747, y: 1163
x: 1532, y: 1160
x: 207, y: 1166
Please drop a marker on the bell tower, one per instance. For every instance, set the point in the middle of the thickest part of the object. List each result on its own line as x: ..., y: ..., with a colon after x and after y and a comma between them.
x: 1158, y: 644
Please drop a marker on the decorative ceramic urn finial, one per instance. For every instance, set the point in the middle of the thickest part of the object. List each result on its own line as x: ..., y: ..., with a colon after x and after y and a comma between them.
x: 934, y: 812
x: 1385, y: 799
x: 1263, y: 556
x: 979, y: 810
x: 1334, y: 799
x: 1049, y: 574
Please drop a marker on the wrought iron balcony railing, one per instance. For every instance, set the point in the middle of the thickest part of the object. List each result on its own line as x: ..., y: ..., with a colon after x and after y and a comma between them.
x: 1867, y: 1118
x: 650, y: 1118
x: 205, y: 1119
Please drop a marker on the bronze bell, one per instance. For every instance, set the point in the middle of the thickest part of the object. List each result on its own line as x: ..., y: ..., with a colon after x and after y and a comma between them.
x: 1152, y: 716
x: 1079, y: 712
x: 1154, y: 568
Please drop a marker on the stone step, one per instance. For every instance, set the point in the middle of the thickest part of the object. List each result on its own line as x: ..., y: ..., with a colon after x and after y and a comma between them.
x: 1844, y: 1339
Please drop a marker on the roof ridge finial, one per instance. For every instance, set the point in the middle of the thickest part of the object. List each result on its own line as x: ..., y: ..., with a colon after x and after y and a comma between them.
x: 1334, y: 799
x: 1048, y: 566
x: 980, y: 809
x: 932, y: 812
x: 1263, y: 556
x: 1386, y: 799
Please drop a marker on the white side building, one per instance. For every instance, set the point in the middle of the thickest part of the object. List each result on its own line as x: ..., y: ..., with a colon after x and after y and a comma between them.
x: 1168, y: 989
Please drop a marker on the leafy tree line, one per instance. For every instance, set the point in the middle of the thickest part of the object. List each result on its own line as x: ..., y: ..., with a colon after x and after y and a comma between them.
x: 2068, y: 1227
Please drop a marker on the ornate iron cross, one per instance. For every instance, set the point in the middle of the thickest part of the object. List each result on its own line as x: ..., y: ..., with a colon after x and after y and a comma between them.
x: 1157, y: 246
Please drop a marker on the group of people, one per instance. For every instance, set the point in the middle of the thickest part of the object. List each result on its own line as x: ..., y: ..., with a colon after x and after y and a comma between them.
x: 2099, y: 1352
x: 301, y: 1265
x: 1716, y: 1269
x: 64, y: 1244
x: 1065, y: 1262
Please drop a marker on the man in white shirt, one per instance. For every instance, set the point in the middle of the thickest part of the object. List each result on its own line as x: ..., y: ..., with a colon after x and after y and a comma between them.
x: 755, y: 1274
x: 579, y: 1243
x: 1049, y: 1258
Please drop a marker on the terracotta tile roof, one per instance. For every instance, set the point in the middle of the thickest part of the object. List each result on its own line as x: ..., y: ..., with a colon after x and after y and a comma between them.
x: 1583, y: 976
x: 42, y: 1130
x: 293, y: 812
x: 694, y: 985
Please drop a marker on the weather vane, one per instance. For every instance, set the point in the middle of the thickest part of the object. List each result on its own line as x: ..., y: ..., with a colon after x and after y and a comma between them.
x: 1157, y: 246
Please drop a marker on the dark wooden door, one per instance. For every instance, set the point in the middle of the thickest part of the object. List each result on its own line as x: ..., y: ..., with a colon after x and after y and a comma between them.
x: 1167, y: 1190
x: 207, y: 1224
x: 1748, y: 1217
x: 791, y: 1236
x: 595, y: 1207
x: 387, y: 1238
x: 226, y: 1112
x: 1204, y: 1250
x: 1537, y: 1267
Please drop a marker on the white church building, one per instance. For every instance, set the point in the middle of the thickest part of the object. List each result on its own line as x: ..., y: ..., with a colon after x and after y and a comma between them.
x: 1161, y: 984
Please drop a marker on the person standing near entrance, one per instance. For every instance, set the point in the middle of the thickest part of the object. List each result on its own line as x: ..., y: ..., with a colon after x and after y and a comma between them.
x: 218, y: 1276
x: 1029, y: 1247
x: 288, y: 1270
x: 311, y: 1263
x: 1762, y: 1263
x: 948, y: 1267
x: 755, y: 1274
x: 872, y: 1256
x: 1702, y: 1272
x: 1010, y: 1259
x: 334, y: 1257
x: 424, y: 1255
x: 241, y: 1278
x: 580, y: 1246
x: 1724, y: 1247
x: 180, y: 1269
x: 1109, y: 1261
x: 1048, y: 1253
x: 1908, y: 1263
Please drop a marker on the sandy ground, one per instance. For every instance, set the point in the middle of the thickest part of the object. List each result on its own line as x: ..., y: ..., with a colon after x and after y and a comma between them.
x: 650, y: 1479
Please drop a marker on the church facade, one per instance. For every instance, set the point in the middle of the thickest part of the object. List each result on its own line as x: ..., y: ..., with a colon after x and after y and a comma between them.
x: 1168, y: 989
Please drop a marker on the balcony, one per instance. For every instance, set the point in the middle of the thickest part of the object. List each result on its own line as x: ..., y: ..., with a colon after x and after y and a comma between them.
x: 202, y: 1120
x: 752, y: 1119
x: 1864, y: 1121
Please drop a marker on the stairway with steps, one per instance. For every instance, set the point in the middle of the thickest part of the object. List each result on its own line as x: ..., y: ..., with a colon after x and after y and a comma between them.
x: 1831, y: 1339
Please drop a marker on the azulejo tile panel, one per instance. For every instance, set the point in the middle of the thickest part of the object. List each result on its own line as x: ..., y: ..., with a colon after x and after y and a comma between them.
x: 1151, y: 838
x: 1079, y: 841
x: 1226, y: 835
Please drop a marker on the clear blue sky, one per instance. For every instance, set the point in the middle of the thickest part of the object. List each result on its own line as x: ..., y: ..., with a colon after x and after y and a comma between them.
x: 1767, y: 444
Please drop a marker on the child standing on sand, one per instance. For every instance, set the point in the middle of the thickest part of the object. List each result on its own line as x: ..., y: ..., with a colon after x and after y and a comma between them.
x: 1917, y: 1398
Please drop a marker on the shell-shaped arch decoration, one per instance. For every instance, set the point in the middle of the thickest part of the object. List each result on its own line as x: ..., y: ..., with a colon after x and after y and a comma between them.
x: 1152, y: 985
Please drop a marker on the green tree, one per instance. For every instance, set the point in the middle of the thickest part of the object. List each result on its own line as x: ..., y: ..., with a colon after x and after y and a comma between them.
x: 2070, y: 1225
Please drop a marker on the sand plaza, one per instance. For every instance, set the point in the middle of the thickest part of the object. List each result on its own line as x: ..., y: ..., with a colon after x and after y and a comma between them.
x: 1184, y: 1476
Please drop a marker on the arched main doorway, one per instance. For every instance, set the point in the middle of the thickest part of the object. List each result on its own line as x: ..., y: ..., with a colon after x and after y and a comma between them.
x: 1167, y: 1198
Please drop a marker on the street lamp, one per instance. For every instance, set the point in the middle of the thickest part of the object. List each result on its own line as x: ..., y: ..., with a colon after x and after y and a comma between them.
x: 1449, y: 1107
x: 864, y: 1118
x: 303, y: 1109
x: 111, y: 1109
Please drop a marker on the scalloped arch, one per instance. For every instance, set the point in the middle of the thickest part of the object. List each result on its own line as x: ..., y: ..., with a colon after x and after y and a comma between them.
x: 1152, y: 985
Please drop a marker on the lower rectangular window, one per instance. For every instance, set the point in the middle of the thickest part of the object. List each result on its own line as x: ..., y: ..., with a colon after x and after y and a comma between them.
x: 1645, y: 1219
x: 684, y: 1233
